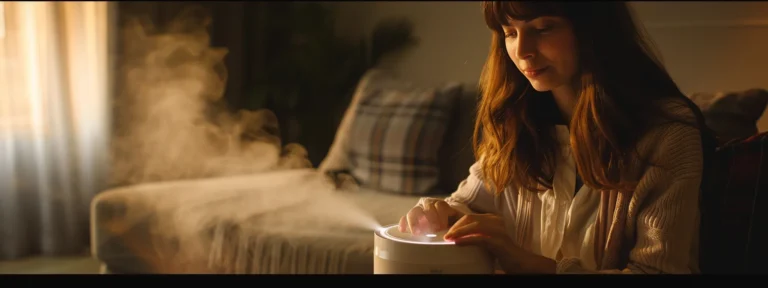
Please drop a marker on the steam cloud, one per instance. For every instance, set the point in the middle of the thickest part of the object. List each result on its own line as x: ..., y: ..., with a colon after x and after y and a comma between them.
x: 168, y: 124
x: 170, y: 133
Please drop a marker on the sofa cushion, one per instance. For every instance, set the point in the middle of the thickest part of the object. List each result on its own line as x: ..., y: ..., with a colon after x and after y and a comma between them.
x: 278, y: 222
x: 734, y: 218
x: 732, y: 115
x: 397, y: 133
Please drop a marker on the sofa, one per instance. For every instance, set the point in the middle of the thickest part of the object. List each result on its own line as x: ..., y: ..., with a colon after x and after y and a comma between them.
x: 138, y: 228
x: 385, y: 155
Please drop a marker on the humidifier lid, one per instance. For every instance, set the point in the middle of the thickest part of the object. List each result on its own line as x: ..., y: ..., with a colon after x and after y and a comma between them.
x: 428, y: 249
x: 436, y: 238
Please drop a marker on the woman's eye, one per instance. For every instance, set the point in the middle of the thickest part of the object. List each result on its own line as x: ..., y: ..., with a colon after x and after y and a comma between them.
x: 544, y: 29
x: 509, y: 34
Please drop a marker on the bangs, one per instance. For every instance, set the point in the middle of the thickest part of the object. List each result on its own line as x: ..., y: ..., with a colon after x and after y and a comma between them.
x: 499, y: 13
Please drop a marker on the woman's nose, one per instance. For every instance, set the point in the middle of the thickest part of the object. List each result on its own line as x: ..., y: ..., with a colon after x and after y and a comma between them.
x: 526, y: 46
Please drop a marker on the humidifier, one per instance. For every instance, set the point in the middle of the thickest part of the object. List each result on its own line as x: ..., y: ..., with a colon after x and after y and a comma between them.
x: 398, y: 252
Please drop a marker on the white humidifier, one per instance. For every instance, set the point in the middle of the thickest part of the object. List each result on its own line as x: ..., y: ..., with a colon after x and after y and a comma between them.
x: 397, y: 252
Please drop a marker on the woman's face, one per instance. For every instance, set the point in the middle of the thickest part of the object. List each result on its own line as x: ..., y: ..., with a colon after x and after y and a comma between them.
x: 544, y: 50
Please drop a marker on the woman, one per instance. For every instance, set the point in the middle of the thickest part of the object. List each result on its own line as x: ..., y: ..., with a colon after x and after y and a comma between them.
x: 590, y: 158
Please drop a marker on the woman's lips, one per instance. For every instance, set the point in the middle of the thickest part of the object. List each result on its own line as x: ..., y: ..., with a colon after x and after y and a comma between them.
x: 535, y: 72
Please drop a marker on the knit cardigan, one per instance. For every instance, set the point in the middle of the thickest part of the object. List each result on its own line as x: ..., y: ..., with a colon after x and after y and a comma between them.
x: 653, y: 229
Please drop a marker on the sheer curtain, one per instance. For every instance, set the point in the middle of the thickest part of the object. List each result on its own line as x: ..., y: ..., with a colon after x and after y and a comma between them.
x: 54, y: 82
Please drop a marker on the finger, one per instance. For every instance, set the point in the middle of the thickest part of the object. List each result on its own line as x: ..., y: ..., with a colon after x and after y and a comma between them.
x: 403, y: 226
x: 413, y: 220
x: 433, y: 219
x: 463, y: 221
x: 472, y: 239
x: 444, y: 212
x: 488, y: 224
x: 459, y: 223
x: 463, y: 229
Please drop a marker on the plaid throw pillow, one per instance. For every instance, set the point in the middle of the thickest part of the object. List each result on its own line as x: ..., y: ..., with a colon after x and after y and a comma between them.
x: 734, y: 218
x: 396, y: 136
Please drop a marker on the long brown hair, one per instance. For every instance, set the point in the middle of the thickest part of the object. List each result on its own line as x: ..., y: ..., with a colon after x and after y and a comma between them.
x: 622, y: 81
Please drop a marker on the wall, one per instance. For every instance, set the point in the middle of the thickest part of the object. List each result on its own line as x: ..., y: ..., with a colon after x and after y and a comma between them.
x: 706, y: 46
x: 453, y: 39
x: 226, y: 28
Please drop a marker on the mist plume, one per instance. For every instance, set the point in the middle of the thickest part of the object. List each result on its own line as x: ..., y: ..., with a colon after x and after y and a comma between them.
x: 171, y: 131
x: 170, y: 121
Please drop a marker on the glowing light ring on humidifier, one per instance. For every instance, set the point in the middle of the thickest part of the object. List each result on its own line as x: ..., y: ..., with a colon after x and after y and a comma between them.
x: 384, y: 232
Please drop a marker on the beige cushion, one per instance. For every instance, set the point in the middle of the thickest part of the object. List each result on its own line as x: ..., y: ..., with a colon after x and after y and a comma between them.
x: 732, y: 115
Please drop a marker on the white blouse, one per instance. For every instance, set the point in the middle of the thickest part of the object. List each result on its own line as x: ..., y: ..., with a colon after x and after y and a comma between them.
x: 556, y: 223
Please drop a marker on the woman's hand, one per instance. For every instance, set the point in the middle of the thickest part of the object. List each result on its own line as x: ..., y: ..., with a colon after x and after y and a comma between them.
x: 489, y: 231
x: 434, y: 216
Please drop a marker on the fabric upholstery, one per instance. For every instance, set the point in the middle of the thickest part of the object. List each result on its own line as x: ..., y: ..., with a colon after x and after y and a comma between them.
x: 212, y: 226
x: 732, y: 115
x: 397, y: 134
x: 734, y: 229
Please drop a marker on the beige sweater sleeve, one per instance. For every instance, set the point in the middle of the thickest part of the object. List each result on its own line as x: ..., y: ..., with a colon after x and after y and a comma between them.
x: 664, y: 211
